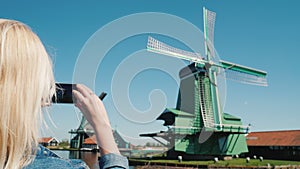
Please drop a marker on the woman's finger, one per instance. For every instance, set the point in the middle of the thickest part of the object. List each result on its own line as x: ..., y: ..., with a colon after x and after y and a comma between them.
x: 83, y: 90
x: 79, y: 97
x: 86, y: 88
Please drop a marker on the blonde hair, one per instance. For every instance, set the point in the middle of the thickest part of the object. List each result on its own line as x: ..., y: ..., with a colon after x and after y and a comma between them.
x: 26, y: 83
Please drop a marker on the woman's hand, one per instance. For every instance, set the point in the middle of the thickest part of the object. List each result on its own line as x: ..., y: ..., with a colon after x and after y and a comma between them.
x: 90, y: 105
x: 94, y: 111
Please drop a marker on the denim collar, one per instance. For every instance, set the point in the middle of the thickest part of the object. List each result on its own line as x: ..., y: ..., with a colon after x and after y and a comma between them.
x: 43, y: 152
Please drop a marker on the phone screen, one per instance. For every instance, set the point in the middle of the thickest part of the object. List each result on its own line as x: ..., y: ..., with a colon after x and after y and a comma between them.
x: 63, y: 93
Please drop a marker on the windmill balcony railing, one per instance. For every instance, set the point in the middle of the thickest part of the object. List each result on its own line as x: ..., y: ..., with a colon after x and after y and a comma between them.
x: 231, y: 128
x: 241, y: 129
x: 185, y: 129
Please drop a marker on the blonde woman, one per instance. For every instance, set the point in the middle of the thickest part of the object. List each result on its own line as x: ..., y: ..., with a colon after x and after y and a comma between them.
x: 26, y: 84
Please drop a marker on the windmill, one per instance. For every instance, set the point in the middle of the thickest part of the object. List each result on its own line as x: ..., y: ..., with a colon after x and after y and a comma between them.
x: 198, y: 125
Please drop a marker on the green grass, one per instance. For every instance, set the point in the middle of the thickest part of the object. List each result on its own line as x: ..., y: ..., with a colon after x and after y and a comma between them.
x: 233, y: 162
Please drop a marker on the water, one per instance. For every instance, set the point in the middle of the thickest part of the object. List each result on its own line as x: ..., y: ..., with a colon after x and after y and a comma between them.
x: 90, y: 158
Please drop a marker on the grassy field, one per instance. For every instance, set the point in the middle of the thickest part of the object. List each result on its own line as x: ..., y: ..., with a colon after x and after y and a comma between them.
x: 233, y: 162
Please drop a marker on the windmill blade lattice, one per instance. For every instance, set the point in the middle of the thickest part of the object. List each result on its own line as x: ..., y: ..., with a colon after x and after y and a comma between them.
x: 245, y: 78
x: 244, y: 74
x: 233, y: 71
x: 209, y: 18
x: 156, y: 46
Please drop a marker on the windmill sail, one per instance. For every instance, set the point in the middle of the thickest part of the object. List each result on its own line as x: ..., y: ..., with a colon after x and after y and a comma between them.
x: 244, y: 74
x: 156, y: 46
x: 209, y: 18
x: 233, y: 71
x: 209, y: 26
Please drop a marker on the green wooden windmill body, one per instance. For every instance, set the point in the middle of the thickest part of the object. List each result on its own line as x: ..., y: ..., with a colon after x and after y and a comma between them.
x: 198, y: 124
x: 194, y: 90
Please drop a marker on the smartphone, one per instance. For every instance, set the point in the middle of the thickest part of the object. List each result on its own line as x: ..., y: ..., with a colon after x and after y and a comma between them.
x: 64, y: 93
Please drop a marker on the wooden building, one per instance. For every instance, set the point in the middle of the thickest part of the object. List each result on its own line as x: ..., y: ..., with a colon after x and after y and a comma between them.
x: 281, y: 145
x: 48, y: 141
x: 91, y: 142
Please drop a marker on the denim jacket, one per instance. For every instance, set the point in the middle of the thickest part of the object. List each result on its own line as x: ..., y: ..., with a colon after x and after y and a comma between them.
x: 46, y: 159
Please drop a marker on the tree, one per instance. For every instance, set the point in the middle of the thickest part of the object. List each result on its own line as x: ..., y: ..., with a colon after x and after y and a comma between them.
x: 64, y: 143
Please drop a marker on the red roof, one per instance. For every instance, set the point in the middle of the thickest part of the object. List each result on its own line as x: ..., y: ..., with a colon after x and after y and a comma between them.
x: 45, y: 139
x: 90, y: 140
x: 274, y: 138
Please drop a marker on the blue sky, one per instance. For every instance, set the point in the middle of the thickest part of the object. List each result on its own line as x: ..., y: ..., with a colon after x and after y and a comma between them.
x: 259, y: 34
